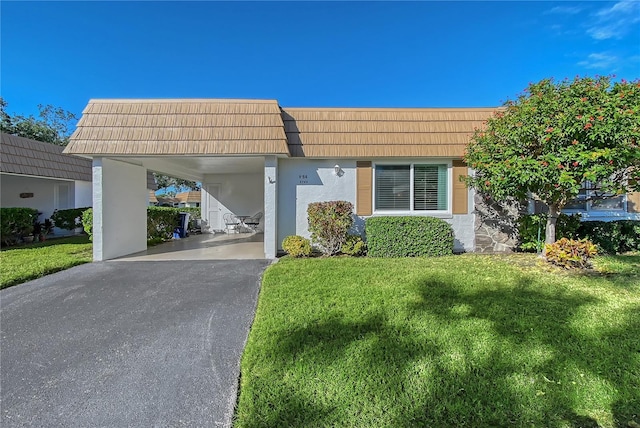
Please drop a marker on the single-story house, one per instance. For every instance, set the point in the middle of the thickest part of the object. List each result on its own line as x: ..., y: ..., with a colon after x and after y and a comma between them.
x: 256, y: 156
x: 190, y: 199
x: 34, y: 174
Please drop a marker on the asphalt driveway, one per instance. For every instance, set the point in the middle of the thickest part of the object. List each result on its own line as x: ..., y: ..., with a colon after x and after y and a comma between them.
x: 121, y: 344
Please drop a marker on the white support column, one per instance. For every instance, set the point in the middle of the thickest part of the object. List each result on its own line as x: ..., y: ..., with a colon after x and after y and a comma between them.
x: 270, y: 207
x: 119, y: 209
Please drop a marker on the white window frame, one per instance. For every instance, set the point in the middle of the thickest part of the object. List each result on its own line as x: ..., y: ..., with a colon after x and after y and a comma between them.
x: 429, y: 213
x: 596, y: 212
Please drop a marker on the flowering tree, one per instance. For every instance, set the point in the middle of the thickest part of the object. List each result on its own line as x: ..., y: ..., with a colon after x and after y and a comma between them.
x: 555, y: 136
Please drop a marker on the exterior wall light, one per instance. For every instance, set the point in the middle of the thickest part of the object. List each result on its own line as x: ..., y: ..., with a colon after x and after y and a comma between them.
x: 337, y: 170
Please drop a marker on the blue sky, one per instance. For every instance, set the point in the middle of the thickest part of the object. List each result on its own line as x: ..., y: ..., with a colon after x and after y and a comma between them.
x: 346, y: 54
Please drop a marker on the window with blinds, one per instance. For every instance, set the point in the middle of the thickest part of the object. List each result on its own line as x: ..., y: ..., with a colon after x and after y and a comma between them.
x: 412, y: 187
x: 430, y: 187
x: 393, y: 187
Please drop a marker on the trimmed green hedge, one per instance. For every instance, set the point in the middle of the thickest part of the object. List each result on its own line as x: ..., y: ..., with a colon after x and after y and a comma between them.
x: 408, y: 236
x: 612, y: 237
x: 87, y: 222
x: 68, y: 219
x: 161, y: 221
x: 15, y: 223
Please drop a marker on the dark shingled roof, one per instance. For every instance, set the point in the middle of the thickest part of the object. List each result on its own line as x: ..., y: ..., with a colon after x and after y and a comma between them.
x: 19, y: 155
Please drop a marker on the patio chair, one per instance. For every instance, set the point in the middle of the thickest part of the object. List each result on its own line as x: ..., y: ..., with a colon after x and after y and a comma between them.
x: 231, y: 223
x: 254, y: 221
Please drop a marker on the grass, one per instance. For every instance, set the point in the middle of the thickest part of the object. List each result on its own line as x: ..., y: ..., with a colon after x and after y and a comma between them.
x: 470, y: 340
x: 31, y: 261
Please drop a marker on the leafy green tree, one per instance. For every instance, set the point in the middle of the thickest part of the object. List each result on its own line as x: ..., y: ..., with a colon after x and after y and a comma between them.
x: 53, y: 125
x: 165, y: 182
x: 555, y: 136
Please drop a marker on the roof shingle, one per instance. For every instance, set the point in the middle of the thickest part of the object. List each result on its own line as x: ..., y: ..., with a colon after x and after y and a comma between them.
x: 180, y: 127
x: 21, y: 155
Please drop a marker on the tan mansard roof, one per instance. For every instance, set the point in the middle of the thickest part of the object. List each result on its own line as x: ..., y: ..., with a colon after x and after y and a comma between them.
x: 257, y: 127
x: 179, y: 127
x: 190, y: 196
x: 376, y: 132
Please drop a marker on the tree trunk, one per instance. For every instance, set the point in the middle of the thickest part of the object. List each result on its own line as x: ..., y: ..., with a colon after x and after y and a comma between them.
x: 552, y: 219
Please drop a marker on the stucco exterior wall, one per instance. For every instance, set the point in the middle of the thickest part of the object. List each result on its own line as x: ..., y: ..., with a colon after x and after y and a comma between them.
x: 240, y: 194
x: 119, y: 209
x: 83, y: 194
x: 302, y: 181
x: 47, y: 196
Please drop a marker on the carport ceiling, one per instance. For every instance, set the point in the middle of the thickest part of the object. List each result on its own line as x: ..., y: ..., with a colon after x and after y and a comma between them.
x: 195, y: 167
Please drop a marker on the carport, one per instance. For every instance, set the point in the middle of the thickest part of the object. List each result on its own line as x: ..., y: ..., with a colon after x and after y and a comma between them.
x: 230, y: 146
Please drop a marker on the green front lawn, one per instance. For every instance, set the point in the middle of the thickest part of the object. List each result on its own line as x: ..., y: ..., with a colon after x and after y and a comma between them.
x: 23, y: 263
x: 458, y: 341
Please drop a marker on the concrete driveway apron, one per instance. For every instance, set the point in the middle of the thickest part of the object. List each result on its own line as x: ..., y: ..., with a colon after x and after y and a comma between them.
x: 121, y: 344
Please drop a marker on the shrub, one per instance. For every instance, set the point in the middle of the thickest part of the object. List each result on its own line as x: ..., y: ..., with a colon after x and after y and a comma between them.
x: 297, y: 246
x: 87, y: 222
x: 408, y: 236
x: 68, y: 219
x: 612, y: 237
x: 161, y: 222
x: 16, y: 223
x: 354, y: 246
x: 571, y: 253
x: 529, y: 225
x: 329, y: 223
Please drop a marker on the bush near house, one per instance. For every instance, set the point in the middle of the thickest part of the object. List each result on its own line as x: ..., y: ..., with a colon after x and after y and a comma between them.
x: 297, y: 246
x: 354, y: 246
x: 612, y: 237
x: 571, y: 253
x: 68, y: 219
x: 408, y: 236
x: 532, y: 229
x: 87, y: 222
x: 329, y: 223
x: 15, y: 223
x: 161, y: 222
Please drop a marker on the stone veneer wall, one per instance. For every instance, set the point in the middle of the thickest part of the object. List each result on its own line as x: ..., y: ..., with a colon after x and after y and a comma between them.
x: 496, y: 226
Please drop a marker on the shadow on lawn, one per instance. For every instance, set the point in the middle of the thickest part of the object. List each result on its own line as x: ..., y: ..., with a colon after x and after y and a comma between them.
x: 527, y: 366
x: 576, y: 367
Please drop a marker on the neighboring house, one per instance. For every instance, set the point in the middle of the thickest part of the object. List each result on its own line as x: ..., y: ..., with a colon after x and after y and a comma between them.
x: 189, y: 199
x: 153, y: 200
x: 593, y: 205
x: 164, y: 201
x: 256, y: 156
x: 38, y: 175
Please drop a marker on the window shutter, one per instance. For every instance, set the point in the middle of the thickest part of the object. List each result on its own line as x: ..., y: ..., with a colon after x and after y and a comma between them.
x: 363, y: 188
x: 633, y: 202
x: 460, y: 191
